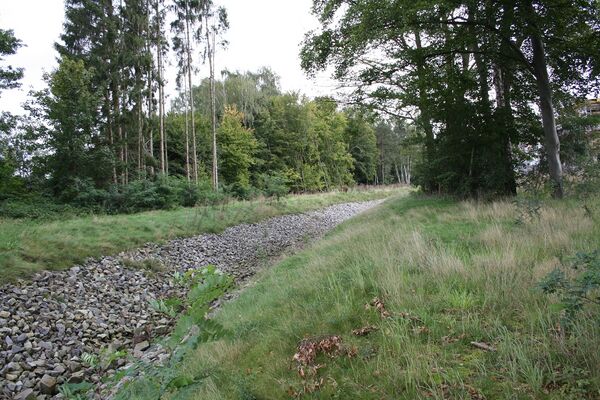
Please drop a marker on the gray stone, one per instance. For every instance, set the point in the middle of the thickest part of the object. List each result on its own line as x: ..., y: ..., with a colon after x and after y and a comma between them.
x: 48, y: 384
x: 26, y: 394
x: 139, y: 348
x: 76, y: 377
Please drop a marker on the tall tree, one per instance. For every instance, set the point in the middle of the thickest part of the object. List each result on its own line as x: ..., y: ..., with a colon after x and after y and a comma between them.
x: 161, y: 48
x: 215, y: 22
x: 9, y: 76
x: 72, y: 106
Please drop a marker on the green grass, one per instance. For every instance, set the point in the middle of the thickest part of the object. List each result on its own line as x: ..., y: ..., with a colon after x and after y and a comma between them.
x: 459, y: 271
x: 27, y: 246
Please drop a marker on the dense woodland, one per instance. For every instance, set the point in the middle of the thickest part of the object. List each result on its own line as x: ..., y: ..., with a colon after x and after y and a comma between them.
x: 468, y: 98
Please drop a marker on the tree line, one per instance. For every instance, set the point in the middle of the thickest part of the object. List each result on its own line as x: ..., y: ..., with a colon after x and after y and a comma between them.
x: 100, y: 133
x: 458, y: 97
x: 483, y: 80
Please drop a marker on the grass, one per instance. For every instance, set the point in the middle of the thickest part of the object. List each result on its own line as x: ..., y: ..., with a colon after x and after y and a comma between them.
x: 28, y: 246
x: 449, y: 273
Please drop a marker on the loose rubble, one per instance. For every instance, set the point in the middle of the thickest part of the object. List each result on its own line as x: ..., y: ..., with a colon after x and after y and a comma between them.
x: 53, y: 326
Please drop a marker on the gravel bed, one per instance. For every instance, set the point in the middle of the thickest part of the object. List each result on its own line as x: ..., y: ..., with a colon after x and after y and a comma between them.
x: 49, y: 325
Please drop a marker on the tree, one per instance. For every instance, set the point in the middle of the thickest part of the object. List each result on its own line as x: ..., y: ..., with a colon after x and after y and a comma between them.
x: 9, y: 76
x: 215, y: 22
x: 9, y: 79
x: 161, y: 48
x: 362, y: 145
x: 72, y: 107
x: 237, y: 146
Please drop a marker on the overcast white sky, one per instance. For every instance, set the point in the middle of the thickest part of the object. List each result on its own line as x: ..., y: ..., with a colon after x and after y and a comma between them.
x: 262, y: 33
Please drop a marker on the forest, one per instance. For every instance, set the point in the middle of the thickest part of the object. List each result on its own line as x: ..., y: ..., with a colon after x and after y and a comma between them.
x: 101, y: 137
x: 455, y: 99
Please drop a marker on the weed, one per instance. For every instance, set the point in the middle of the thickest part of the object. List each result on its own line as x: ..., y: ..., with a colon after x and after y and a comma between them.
x: 192, y: 329
x: 578, y: 291
x: 75, y: 391
x: 147, y: 264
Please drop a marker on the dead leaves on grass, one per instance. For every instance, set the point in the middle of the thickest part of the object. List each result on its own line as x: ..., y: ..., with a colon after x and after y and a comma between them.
x: 483, y: 346
x: 310, y: 348
x: 379, y: 306
x: 365, y: 330
x: 307, y: 352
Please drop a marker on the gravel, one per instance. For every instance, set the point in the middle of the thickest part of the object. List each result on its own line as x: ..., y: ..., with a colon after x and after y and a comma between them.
x: 51, y: 325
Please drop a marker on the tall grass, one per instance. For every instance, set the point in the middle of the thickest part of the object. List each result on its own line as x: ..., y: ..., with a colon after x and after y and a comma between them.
x: 450, y: 274
x: 27, y: 246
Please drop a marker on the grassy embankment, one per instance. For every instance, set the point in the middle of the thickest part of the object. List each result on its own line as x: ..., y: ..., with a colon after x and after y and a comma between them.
x: 27, y: 246
x: 449, y: 274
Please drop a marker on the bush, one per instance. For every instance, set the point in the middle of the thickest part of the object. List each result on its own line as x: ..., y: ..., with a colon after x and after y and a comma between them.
x: 207, y: 196
x: 575, y: 293
x: 242, y: 191
x: 36, y: 207
x: 189, y: 195
x: 273, y: 185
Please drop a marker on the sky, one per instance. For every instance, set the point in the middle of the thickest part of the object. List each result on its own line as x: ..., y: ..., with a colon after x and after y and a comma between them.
x: 262, y: 33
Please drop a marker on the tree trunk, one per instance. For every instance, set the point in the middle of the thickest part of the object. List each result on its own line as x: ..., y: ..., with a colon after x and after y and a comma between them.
x: 191, y: 89
x: 187, y: 133
x: 161, y: 120
x: 423, y: 102
x: 211, y: 61
x: 551, y: 141
x: 504, y: 118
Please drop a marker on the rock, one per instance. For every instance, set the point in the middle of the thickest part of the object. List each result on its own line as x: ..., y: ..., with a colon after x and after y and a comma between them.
x: 4, y: 314
x: 21, y: 338
x: 76, y: 377
x: 26, y: 394
x: 74, y: 366
x: 139, y: 348
x: 11, y: 377
x: 48, y: 385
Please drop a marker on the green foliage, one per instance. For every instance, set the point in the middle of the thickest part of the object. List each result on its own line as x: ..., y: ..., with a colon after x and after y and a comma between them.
x: 161, y: 306
x: 576, y: 292
x: 90, y: 360
x: 37, y: 207
x: 237, y: 146
x: 436, y: 63
x: 273, y: 185
x: 192, y: 329
x: 71, y: 106
x: 211, y: 283
x: 75, y: 391
x: 529, y: 210
x: 9, y: 44
x: 362, y: 145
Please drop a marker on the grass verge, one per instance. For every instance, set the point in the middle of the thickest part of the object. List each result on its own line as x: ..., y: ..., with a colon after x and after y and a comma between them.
x: 458, y: 313
x: 27, y: 246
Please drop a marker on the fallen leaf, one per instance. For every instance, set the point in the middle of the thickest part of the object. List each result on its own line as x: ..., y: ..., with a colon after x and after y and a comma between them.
x: 483, y: 346
x: 365, y: 330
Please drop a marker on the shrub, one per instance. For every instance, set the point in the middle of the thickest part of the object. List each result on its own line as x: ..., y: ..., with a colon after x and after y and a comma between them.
x: 577, y: 292
x: 189, y: 195
x: 273, y: 185
x: 207, y: 196
x: 243, y: 191
x: 36, y: 207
